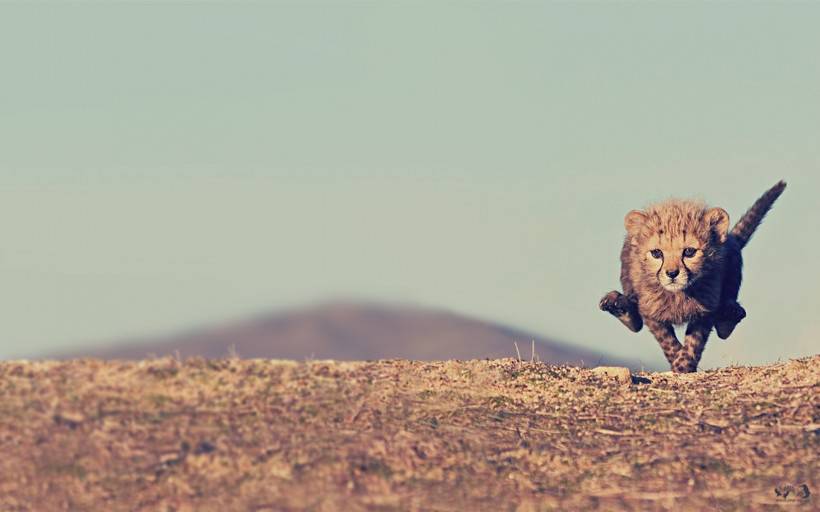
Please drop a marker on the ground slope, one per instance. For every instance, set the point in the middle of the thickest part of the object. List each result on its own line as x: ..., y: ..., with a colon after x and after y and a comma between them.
x: 402, y: 435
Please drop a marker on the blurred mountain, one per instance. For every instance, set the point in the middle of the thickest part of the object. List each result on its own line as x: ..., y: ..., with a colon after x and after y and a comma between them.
x: 356, y: 331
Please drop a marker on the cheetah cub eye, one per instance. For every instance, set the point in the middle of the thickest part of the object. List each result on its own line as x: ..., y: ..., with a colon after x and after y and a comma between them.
x: 656, y: 253
x: 689, y: 252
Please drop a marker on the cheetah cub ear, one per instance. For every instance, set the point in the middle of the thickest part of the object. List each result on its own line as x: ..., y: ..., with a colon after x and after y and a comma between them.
x: 633, y: 222
x: 718, y: 221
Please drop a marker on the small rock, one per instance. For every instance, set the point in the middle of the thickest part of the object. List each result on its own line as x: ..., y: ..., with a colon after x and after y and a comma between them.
x: 618, y: 373
x: 204, y: 447
x: 70, y: 419
x: 169, y: 458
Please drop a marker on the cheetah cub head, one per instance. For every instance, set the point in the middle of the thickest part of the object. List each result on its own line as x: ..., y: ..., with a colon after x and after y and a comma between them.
x: 677, y: 241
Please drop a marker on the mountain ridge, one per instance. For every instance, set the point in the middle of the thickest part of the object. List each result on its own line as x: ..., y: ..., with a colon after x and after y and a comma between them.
x: 351, y: 330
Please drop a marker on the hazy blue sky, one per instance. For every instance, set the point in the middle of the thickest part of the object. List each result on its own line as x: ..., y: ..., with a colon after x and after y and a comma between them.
x: 169, y: 165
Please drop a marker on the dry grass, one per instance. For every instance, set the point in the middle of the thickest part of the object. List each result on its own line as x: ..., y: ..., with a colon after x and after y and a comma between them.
x: 402, y: 435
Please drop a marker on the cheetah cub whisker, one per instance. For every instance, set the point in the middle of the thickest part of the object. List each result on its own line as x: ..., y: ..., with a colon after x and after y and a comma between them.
x: 680, y: 263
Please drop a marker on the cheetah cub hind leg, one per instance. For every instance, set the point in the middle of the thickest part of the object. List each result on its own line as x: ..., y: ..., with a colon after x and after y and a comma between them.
x: 623, y: 308
x: 727, y: 319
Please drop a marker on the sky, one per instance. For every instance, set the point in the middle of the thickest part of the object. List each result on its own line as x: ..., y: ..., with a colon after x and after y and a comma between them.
x: 168, y: 165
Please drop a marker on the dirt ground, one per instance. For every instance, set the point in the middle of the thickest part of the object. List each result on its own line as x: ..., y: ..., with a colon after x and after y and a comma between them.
x: 401, y: 435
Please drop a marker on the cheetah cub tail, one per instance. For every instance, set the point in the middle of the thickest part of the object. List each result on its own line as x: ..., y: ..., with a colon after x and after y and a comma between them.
x: 747, y: 224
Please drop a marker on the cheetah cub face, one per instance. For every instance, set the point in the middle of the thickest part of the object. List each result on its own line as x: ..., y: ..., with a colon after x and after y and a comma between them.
x: 677, y: 242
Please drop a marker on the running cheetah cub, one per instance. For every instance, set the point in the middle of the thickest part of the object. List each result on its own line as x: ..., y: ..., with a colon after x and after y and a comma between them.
x: 680, y: 263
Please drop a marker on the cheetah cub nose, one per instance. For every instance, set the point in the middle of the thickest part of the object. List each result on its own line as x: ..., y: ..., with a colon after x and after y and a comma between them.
x: 673, y: 273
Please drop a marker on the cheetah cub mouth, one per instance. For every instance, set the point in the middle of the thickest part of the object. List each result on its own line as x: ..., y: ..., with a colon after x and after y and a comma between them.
x: 674, y: 284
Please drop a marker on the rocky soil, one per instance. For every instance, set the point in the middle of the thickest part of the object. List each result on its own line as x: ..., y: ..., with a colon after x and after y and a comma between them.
x: 502, y: 434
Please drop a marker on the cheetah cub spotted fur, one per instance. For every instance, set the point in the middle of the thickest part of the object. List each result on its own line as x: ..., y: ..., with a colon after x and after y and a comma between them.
x: 680, y: 263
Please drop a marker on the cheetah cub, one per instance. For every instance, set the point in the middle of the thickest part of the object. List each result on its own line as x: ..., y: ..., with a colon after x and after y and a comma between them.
x: 680, y: 263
